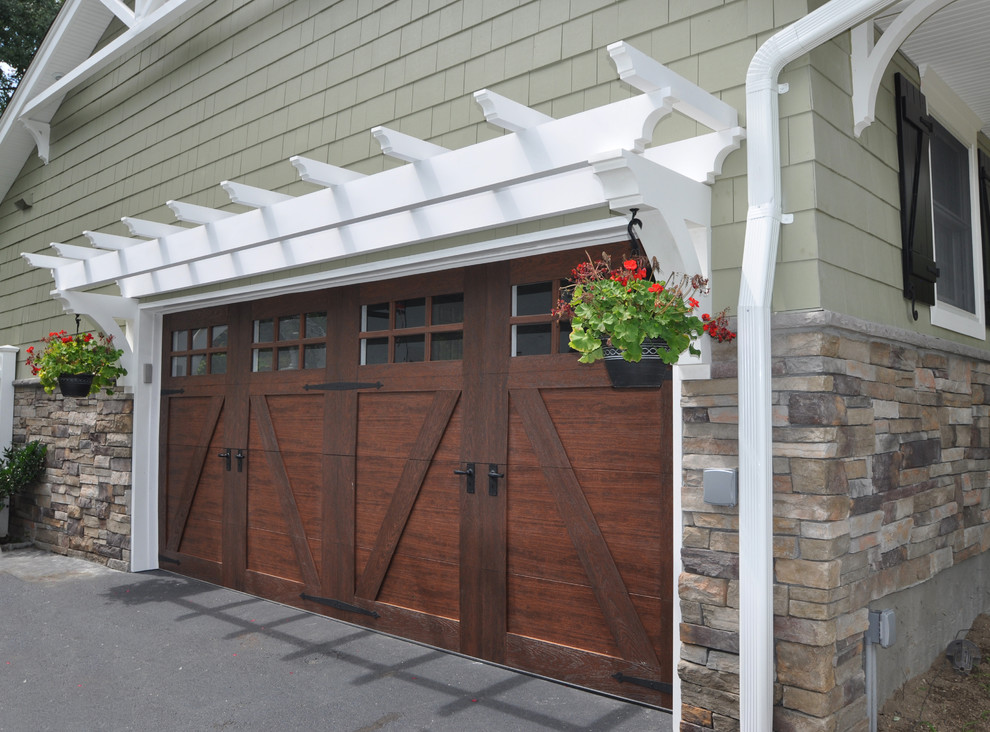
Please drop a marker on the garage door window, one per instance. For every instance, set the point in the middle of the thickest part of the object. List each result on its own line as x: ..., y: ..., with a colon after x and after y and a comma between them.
x: 199, y: 351
x: 290, y: 342
x: 413, y: 330
x: 534, y: 331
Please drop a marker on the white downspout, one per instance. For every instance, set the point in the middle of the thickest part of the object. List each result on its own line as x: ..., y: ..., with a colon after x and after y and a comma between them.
x: 756, y: 287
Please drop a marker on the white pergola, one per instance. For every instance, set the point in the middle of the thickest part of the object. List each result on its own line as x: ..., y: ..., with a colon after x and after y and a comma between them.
x: 358, y: 226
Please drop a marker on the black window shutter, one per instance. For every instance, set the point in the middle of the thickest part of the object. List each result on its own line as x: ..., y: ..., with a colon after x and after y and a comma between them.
x: 914, y: 130
x: 984, y: 165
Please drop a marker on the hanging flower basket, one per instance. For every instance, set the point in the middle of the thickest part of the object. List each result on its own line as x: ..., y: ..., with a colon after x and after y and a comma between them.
x: 63, y: 357
x: 638, y: 322
x: 650, y: 371
x: 75, y: 385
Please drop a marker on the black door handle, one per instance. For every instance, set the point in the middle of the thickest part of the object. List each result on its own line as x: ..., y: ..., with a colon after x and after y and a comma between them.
x: 226, y: 457
x: 240, y: 460
x: 493, y: 476
x: 469, y: 472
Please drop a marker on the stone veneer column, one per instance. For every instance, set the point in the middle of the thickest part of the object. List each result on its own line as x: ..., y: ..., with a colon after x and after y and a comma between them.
x: 880, y: 481
x: 82, y: 507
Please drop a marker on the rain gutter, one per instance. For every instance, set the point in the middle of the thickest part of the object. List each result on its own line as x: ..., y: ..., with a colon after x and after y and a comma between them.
x: 763, y: 222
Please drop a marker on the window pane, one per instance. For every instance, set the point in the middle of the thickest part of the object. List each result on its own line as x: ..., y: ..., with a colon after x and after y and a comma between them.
x: 447, y: 346
x: 219, y: 336
x: 199, y: 338
x: 262, y: 359
x: 315, y: 357
x: 178, y: 365
x: 375, y: 317
x: 288, y: 328
x: 410, y: 348
x: 534, y: 299
x: 316, y: 325
x: 218, y: 363
x: 532, y: 340
x: 197, y: 365
x: 264, y: 331
x: 180, y: 342
x: 410, y: 313
x: 448, y: 309
x: 953, y: 222
x: 288, y: 358
x: 374, y: 350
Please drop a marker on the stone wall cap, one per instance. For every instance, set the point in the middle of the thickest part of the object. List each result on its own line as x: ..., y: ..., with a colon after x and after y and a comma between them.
x: 817, y: 320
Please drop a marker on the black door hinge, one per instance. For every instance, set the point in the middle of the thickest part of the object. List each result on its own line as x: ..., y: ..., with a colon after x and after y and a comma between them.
x: 647, y: 683
x: 339, y: 605
x: 344, y: 386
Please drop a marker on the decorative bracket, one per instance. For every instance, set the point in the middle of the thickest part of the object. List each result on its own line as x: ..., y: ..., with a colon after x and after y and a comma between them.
x: 41, y: 132
x: 870, y: 56
x: 105, y: 311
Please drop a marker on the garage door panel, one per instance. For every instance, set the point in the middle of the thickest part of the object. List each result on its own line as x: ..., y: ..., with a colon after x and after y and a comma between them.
x: 540, y: 546
x: 264, y: 506
x: 581, y: 417
x: 538, y: 543
x: 578, y: 667
x: 558, y: 612
x: 423, y: 585
x: 188, y: 416
x: 297, y: 423
x: 389, y: 425
x: 201, y: 538
x: 271, y: 551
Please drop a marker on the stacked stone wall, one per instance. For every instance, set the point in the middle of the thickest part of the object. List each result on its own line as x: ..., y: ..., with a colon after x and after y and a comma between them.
x: 82, y: 506
x: 880, y: 462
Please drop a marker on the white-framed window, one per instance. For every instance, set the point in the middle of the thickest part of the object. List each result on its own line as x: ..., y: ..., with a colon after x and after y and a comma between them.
x: 944, y: 248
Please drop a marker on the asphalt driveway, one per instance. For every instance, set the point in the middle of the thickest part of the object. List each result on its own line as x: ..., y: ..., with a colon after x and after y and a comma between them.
x: 83, y: 647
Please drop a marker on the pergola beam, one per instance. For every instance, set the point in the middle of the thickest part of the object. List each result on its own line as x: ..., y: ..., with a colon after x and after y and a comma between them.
x: 193, y: 214
x: 322, y: 174
x: 649, y: 75
x: 251, y: 196
x: 508, y: 114
x: 405, y: 147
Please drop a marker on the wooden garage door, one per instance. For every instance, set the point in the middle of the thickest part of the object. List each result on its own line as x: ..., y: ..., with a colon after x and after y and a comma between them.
x: 423, y: 456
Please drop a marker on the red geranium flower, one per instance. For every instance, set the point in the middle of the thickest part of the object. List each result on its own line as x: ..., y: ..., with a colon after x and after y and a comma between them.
x: 630, y: 264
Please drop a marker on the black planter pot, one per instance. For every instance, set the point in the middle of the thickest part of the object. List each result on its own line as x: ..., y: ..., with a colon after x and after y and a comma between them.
x: 651, y: 371
x: 75, y: 385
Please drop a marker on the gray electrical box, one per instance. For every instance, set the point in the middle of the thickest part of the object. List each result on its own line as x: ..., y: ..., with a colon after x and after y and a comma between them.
x: 883, y: 628
x: 721, y: 487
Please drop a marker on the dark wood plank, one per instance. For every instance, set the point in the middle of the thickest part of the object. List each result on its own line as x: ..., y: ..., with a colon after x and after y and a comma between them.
x: 487, y: 344
x: 584, y: 669
x: 290, y: 511
x: 236, y: 437
x: 339, y: 446
x: 413, y: 473
x: 190, y: 482
x: 606, y: 582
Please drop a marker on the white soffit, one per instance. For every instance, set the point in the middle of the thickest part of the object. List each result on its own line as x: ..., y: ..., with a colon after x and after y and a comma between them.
x: 951, y: 39
x: 546, y: 169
